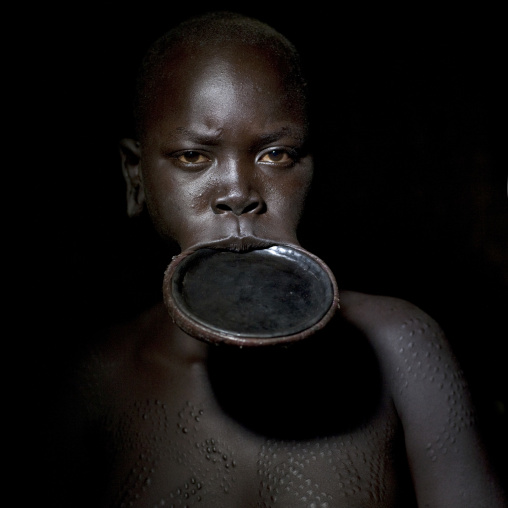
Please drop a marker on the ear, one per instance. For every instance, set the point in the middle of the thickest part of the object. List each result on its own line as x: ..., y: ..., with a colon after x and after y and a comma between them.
x: 130, y: 153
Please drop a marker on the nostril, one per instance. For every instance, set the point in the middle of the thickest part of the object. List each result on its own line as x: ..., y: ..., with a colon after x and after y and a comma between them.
x: 224, y: 208
x: 251, y: 207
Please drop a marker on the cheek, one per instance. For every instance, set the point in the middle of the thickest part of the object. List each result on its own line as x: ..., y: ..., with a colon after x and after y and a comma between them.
x: 291, y: 195
x: 175, y: 206
x: 160, y: 201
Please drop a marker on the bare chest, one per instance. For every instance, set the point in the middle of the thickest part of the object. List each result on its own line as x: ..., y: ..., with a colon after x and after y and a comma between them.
x: 194, y: 455
x: 302, y: 428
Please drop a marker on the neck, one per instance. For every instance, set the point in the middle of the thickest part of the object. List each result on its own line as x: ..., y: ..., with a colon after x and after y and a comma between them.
x: 171, y: 343
x: 188, y: 348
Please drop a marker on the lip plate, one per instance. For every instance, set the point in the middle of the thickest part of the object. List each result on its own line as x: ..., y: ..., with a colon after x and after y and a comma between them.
x: 272, y: 295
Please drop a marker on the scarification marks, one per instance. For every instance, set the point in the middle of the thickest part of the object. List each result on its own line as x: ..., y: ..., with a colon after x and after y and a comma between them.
x: 289, y: 476
x: 143, y: 429
x: 423, y: 363
x: 211, y: 461
x: 189, y: 494
x: 177, y: 445
x: 321, y: 473
x: 176, y: 463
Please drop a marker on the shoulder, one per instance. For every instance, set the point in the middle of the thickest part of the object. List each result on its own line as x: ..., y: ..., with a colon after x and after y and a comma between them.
x: 411, y: 347
x: 419, y: 367
x: 377, y: 313
x: 400, y: 332
x: 432, y: 399
x: 115, y: 360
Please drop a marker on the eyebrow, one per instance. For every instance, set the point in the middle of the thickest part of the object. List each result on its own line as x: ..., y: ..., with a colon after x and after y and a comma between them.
x: 270, y: 137
x: 287, y: 131
x: 202, y: 139
x: 262, y: 139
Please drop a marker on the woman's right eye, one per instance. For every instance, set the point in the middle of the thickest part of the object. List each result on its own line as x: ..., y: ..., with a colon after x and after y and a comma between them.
x: 192, y: 157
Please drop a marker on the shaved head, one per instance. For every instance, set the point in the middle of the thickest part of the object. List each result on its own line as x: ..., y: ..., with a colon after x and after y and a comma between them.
x: 213, y: 33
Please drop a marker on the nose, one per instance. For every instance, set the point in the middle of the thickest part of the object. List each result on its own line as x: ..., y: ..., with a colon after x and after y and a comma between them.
x: 238, y: 192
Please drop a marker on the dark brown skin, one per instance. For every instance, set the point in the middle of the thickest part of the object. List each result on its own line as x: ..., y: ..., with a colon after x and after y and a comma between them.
x: 361, y: 414
x: 230, y: 112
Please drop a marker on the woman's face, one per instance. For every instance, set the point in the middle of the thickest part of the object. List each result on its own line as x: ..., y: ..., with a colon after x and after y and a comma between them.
x: 223, y: 155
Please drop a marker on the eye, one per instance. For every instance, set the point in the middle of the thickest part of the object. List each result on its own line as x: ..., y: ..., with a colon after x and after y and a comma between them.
x: 192, y: 157
x: 278, y: 156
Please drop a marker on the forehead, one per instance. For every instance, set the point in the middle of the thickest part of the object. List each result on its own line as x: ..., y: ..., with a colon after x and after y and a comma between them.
x: 228, y: 76
x: 242, y: 62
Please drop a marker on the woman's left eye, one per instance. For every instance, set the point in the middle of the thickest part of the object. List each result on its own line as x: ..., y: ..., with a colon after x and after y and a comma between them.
x: 277, y: 156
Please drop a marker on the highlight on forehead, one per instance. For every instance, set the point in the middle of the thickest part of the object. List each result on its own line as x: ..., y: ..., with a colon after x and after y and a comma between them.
x: 205, y: 31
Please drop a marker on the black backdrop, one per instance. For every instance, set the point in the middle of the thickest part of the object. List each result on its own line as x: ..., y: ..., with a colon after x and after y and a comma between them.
x: 410, y: 195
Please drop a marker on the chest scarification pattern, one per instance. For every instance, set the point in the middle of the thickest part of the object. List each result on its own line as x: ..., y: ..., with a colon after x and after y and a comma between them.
x: 178, y: 461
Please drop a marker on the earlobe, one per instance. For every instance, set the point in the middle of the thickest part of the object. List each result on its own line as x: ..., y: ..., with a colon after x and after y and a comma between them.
x: 130, y: 153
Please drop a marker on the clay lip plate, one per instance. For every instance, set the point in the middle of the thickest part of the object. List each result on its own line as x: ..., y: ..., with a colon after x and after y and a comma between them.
x: 264, y: 296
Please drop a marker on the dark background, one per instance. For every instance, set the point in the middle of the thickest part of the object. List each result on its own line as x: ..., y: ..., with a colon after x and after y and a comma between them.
x: 410, y: 196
